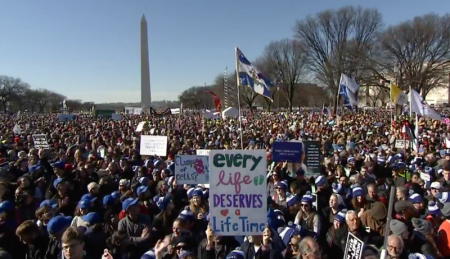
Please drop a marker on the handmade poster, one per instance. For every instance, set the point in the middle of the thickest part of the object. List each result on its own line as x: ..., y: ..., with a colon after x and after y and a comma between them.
x: 238, y: 194
x: 153, y: 145
x: 191, y: 169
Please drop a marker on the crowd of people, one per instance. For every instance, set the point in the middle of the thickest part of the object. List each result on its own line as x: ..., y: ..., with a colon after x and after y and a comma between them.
x: 91, y: 194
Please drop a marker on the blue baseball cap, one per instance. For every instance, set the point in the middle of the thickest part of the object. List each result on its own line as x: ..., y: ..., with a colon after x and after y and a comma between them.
x: 128, y: 203
x: 88, y: 197
x: 141, y: 189
x: 49, y: 203
x: 58, y: 224
x: 108, y: 199
x: 84, y: 204
x: 6, y: 206
x: 115, y: 194
x: 91, y: 218
x: 59, y: 164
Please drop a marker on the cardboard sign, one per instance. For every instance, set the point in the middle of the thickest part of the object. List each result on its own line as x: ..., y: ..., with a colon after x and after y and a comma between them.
x: 153, y: 145
x: 191, y: 169
x: 287, y: 151
x: 202, y: 152
x: 402, y: 144
x: 40, y: 141
x: 312, y: 157
x: 354, y: 247
x: 238, y: 194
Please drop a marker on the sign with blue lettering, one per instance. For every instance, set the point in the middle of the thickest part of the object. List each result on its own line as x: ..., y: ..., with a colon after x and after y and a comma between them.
x: 238, y: 194
x: 287, y: 151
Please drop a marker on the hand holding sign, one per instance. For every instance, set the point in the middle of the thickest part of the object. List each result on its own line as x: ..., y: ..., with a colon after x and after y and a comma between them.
x: 266, y: 236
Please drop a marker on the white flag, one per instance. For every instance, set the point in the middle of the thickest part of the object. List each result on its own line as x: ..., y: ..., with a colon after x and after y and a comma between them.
x: 421, y: 108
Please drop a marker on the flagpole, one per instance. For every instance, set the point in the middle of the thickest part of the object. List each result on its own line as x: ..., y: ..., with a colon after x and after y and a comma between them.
x: 410, y: 110
x: 238, y: 95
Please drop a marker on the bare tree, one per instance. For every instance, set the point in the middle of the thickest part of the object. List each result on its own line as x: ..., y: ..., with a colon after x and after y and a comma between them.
x: 10, y: 89
x: 331, y: 38
x: 287, y: 58
x: 420, y: 50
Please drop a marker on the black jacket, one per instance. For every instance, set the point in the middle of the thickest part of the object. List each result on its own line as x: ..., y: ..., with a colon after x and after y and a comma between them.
x: 54, y: 250
x: 38, y: 248
x: 227, y: 245
x: 272, y: 251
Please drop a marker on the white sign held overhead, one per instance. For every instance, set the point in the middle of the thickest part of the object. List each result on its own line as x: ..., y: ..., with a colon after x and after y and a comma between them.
x: 203, y: 152
x: 153, y: 145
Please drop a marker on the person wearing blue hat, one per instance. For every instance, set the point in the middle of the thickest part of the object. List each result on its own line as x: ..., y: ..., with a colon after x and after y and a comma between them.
x: 91, y: 218
x: 137, y: 226
x: 6, y: 215
x: 306, y: 213
x: 56, y: 227
x: 198, y: 204
x: 160, y: 223
x: 83, y: 208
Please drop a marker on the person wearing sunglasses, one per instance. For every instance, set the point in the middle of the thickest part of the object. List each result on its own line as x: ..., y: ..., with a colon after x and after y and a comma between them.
x: 307, y: 217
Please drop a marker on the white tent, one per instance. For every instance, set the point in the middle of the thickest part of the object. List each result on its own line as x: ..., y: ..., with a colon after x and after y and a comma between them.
x: 211, y: 115
x: 230, y: 112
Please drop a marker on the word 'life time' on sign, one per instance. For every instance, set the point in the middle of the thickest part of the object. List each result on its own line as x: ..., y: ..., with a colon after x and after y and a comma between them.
x: 238, y: 196
x: 191, y: 169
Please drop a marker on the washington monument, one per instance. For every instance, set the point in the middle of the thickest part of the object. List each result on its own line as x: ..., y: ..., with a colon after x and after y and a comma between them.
x: 146, y: 98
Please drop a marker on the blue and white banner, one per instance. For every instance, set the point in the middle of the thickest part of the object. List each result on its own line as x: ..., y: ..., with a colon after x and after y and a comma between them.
x: 249, y: 76
x: 348, y: 89
x: 287, y: 151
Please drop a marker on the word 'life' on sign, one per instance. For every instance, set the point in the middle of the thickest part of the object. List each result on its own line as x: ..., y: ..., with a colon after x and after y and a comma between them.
x: 191, y: 169
x: 238, y: 196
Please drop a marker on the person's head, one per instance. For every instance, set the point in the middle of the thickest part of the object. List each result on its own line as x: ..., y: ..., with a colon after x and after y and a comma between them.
x: 371, y: 190
x: 394, y: 246
x: 309, y: 249
x: 57, y: 225
x: 72, y: 242
x: 93, y: 188
x: 178, y: 226
x: 435, y: 188
x: 399, y: 228
x: 197, y: 196
x: 400, y: 193
x: 27, y: 231
x: 131, y: 207
x: 446, y: 172
x: 351, y: 218
x: 60, y: 185
x: 44, y: 213
x: 339, y: 219
x: 333, y: 202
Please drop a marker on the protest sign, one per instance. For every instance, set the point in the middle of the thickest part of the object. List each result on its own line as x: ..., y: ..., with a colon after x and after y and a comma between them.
x: 401, y: 143
x: 202, y: 152
x: 287, y: 151
x: 40, y: 141
x: 312, y: 157
x: 191, y: 169
x: 153, y: 145
x: 354, y: 247
x: 238, y: 194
